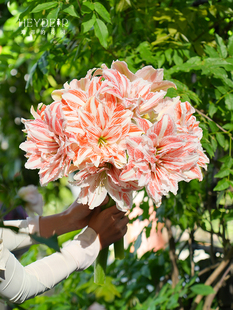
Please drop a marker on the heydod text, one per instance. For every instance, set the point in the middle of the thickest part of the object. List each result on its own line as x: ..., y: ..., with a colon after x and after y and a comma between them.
x: 43, y: 22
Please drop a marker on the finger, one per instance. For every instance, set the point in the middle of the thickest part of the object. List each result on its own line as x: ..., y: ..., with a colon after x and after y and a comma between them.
x: 105, y: 201
x: 115, y: 210
x: 124, y: 230
x: 119, y: 215
x: 124, y: 220
x: 96, y: 211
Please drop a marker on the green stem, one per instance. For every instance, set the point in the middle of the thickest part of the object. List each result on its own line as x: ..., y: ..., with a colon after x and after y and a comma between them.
x: 119, y: 249
x: 119, y: 245
x: 110, y: 203
x: 100, y: 266
x: 101, y: 260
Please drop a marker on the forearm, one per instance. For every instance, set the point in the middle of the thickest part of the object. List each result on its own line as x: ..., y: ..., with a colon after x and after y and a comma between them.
x: 56, y: 224
x: 47, y: 272
x: 14, y: 241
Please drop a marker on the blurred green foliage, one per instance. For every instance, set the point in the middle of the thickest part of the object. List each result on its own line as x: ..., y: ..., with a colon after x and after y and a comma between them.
x: 44, y: 44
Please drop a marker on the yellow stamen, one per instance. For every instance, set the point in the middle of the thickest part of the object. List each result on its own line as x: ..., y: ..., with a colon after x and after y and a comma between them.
x: 101, y: 141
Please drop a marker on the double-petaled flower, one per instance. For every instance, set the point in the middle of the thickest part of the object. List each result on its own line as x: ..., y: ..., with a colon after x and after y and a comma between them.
x: 159, y: 159
x: 48, y: 145
x: 119, y: 133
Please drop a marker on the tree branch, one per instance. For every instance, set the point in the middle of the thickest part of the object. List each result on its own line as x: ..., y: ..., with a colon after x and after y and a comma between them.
x: 207, y: 117
x: 210, y: 298
x: 203, y: 271
x: 190, y: 242
x: 214, y: 276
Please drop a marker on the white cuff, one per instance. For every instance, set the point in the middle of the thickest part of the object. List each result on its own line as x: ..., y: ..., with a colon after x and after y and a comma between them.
x: 4, y: 254
x: 33, y: 225
x: 15, y: 241
x: 84, y: 248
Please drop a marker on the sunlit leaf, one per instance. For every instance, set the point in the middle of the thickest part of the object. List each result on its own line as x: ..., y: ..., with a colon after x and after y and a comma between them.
x: 222, y: 185
x: 101, y: 32
x: 229, y: 101
x: 44, y: 6
x: 86, y: 26
x: 71, y: 11
x: 100, y: 9
x: 52, y: 16
x: 222, y: 46
x: 221, y: 139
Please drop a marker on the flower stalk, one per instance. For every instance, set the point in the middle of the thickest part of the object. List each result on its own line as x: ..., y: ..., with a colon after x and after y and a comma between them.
x: 101, y: 260
x: 100, y: 266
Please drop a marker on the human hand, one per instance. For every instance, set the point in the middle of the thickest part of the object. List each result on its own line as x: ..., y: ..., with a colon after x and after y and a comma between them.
x: 76, y: 217
x: 109, y: 224
x: 79, y: 215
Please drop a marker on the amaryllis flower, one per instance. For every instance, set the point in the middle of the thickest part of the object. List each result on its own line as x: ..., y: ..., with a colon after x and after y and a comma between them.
x: 140, y: 92
x: 147, y: 73
x: 96, y: 183
x: 105, y: 128
x: 159, y: 159
x: 120, y: 132
x: 48, y: 145
x: 186, y: 123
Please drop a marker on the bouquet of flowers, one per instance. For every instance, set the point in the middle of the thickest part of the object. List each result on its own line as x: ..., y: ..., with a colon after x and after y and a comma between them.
x: 117, y: 133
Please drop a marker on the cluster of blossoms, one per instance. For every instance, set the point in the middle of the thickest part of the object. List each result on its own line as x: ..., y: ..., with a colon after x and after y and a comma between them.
x: 118, y: 133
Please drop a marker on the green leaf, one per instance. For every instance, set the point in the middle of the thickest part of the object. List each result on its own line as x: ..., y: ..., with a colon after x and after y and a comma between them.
x: 138, y: 242
x: 228, y: 82
x: 173, y: 301
x: 222, y: 185
x: 168, y: 54
x: 230, y: 45
x: 221, y: 139
x: 87, y: 7
x: 222, y: 174
x: 222, y: 46
x: 51, y: 242
x: 71, y: 11
x: 100, y: 9
x: 44, y: 6
x: 32, y: 71
x: 228, y: 126
x: 43, y: 63
x: 225, y: 159
x: 161, y: 60
x: 66, y: 237
x: 145, y: 52
x: 207, y: 146
x: 101, y: 32
x: 25, y: 12
x: 202, y: 289
x: 177, y: 59
x: 212, y: 109
x: 229, y: 101
x: 16, y: 229
x: 86, y: 26
x: 53, y: 14
x: 211, y: 51
x: 213, y: 126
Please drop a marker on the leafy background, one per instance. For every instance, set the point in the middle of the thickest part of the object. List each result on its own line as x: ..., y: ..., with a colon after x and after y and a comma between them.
x: 43, y: 45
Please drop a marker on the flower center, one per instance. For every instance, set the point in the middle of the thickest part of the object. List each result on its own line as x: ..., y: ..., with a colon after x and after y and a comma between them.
x: 101, y: 141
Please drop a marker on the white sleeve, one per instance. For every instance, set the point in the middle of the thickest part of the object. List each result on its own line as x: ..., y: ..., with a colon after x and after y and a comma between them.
x: 18, y: 283
x: 15, y: 241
